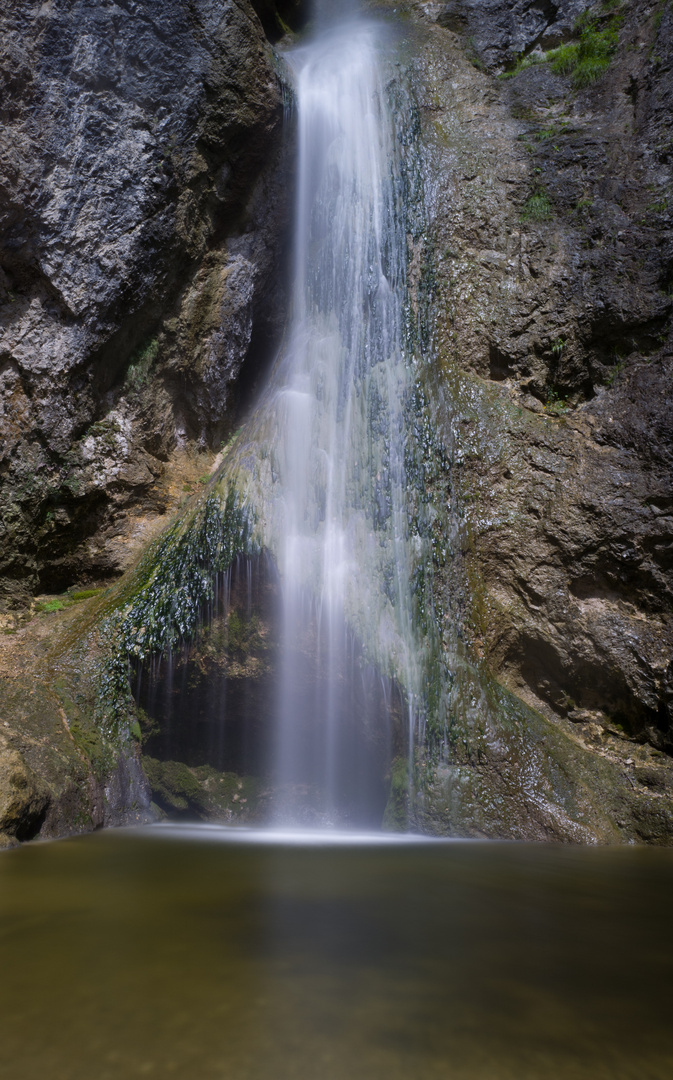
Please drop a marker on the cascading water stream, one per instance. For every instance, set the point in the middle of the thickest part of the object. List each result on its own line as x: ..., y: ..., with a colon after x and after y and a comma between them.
x: 333, y: 414
x: 321, y: 467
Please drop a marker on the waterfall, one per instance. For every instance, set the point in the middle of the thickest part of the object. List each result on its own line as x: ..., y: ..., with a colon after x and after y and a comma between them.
x: 323, y: 467
x: 307, y: 620
x: 331, y: 424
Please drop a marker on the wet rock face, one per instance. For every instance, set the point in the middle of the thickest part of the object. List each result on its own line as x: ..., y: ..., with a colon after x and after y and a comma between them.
x: 48, y: 785
x: 548, y: 267
x: 140, y: 183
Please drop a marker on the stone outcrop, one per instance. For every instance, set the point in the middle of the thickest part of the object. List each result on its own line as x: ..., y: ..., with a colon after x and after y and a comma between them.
x: 496, y: 34
x: 142, y: 207
x: 547, y: 266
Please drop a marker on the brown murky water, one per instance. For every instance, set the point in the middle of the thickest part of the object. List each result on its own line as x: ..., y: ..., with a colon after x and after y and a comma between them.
x: 193, y: 954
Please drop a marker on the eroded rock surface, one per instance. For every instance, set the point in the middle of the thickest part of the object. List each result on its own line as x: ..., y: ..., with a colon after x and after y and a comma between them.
x: 142, y: 207
x: 554, y: 356
x: 497, y: 33
x: 57, y: 776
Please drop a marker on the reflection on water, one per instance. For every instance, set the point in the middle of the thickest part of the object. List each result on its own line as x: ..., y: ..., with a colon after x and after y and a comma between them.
x: 182, y: 953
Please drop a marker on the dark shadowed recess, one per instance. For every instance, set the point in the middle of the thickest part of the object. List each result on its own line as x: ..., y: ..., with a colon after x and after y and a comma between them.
x: 212, y: 708
x: 279, y: 16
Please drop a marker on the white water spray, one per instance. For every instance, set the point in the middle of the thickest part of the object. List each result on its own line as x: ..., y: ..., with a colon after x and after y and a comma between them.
x: 323, y: 463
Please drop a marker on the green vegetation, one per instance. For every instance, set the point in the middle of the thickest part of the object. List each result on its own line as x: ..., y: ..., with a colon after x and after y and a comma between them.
x: 147, y: 725
x: 473, y: 56
x: 226, y: 443
x: 141, y: 362
x: 587, y: 59
x: 659, y: 207
x: 174, y: 786
x: 243, y: 634
x: 161, y: 606
x: 556, y: 405
x: 48, y: 606
x: 83, y: 594
x: 396, y: 817
x: 552, y: 132
x: 60, y: 603
x: 91, y: 743
x: 537, y: 207
x: 176, y: 577
x: 200, y: 791
x: 614, y: 374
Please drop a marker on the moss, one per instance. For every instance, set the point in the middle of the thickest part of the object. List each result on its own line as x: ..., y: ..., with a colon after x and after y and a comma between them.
x: 141, y: 362
x: 228, y: 792
x: 32, y: 711
x: 149, y: 727
x: 242, y: 633
x: 537, y: 207
x: 83, y: 594
x: 177, y: 576
x: 396, y: 816
x: 90, y: 742
x: 60, y: 603
x: 47, y: 607
x: 163, y: 601
x: 201, y: 791
x: 174, y: 786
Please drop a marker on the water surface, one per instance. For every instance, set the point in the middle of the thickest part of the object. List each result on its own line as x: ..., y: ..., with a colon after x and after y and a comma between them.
x: 201, y: 952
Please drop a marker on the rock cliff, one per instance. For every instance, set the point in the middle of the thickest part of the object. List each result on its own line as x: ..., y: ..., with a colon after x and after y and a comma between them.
x: 142, y: 208
x: 143, y: 201
x: 548, y: 263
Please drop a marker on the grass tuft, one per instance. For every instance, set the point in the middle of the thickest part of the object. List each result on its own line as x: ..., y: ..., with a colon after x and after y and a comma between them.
x: 537, y: 208
x: 587, y: 59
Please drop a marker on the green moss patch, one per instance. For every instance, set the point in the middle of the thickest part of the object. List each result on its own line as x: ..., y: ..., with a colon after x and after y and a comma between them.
x: 174, y: 786
x: 163, y: 601
x: 83, y: 594
x: 138, y: 371
x: 48, y: 607
x: 202, y: 791
x: 396, y: 816
x: 537, y: 207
